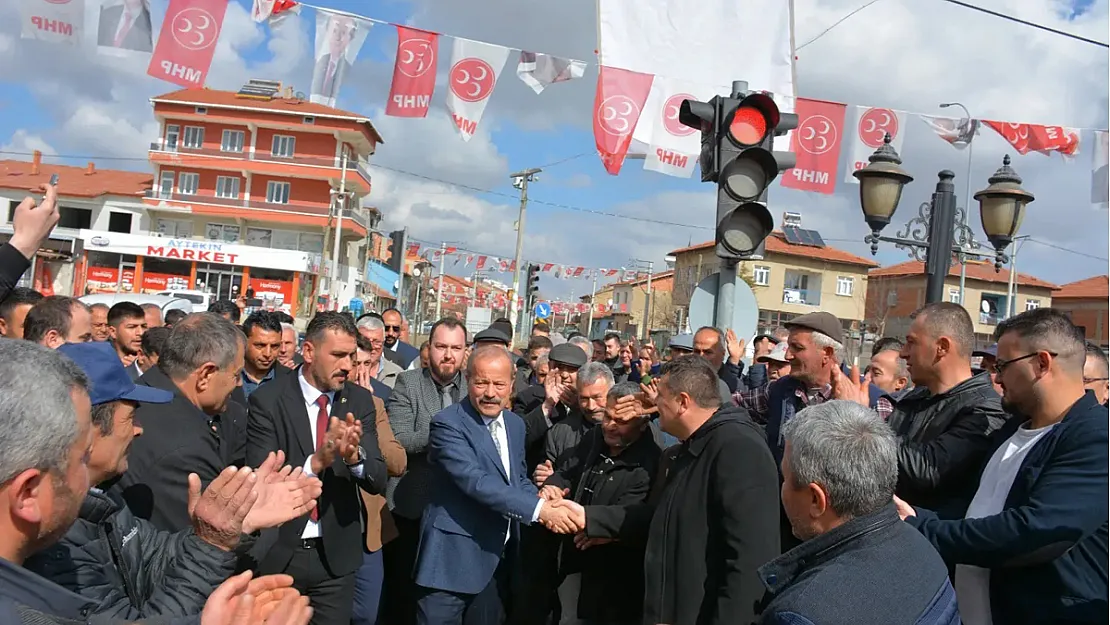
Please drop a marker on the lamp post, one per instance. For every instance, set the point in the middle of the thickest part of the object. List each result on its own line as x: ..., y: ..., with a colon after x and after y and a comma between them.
x: 935, y: 233
x: 972, y: 124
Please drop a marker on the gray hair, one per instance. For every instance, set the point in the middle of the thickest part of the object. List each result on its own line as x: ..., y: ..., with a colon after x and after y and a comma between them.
x: 542, y: 360
x: 371, y: 323
x: 38, y: 421
x: 849, y: 451
x: 288, y: 326
x: 823, y: 340
x: 585, y: 344
x: 623, y: 389
x: 197, y: 339
x: 592, y: 372
x: 487, y: 352
x: 717, y: 331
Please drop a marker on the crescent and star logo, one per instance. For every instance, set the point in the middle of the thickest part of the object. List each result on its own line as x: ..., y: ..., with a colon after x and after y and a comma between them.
x: 617, y: 115
x: 472, y: 80
x: 415, y: 57
x: 194, y: 29
x: 670, y: 115
x: 99, y: 241
x: 875, y: 123
x: 817, y: 134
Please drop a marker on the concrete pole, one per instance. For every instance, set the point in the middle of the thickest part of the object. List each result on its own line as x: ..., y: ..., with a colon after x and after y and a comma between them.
x: 340, y: 203
x: 439, y: 289
x: 524, y: 178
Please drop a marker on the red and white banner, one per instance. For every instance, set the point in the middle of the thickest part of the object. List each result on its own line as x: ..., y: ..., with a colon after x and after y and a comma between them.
x: 1028, y: 138
x: 56, y: 21
x: 475, y: 67
x: 187, y: 41
x: 1100, y: 158
x: 619, y: 100
x: 866, y: 135
x: 414, y: 73
x: 673, y: 149
x: 273, y: 11
x: 339, y: 38
x: 816, y: 143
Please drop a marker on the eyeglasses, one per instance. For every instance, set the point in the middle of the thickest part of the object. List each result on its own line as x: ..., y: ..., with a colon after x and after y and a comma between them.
x: 1000, y: 365
x: 1093, y: 380
x: 393, y: 328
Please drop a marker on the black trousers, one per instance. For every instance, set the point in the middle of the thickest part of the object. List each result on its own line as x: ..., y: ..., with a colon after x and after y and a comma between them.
x: 398, y: 588
x: 331, y: 596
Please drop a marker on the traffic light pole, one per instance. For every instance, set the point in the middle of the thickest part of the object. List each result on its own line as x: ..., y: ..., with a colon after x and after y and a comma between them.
x: 402, y: 301
x: 522, y: 178
x: 726, y: 284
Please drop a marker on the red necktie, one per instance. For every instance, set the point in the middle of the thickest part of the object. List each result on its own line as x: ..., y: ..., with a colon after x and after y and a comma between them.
x: 123, y: 29
x: 322, y: 419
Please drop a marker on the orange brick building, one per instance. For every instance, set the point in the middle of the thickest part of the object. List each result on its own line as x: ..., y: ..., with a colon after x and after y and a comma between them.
x: 1087, y: 302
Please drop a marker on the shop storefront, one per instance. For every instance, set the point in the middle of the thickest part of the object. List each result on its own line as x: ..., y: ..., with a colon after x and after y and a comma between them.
x: 133, y: 263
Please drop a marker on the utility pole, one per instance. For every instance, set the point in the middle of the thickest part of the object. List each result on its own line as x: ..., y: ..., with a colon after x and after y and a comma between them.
x: 1011, y: 289
x: 340, y: 204
x: 402, y: 301
x: 520, y: 181
x: 647, y: 300
x: 439, y: 289
x: 593, y: 294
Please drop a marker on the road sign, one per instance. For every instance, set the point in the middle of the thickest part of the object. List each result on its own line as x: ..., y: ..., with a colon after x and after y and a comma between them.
x: 542, y: 310
x: 356, y: 306
x: 745, y: 311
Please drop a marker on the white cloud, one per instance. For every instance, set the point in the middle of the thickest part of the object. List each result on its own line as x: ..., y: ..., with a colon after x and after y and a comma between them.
x: 24, y: 142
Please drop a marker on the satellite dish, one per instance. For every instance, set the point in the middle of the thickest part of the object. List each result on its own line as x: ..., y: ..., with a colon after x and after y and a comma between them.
x: 299, y: 95
x: 985, y: 306
x: 416, y: 272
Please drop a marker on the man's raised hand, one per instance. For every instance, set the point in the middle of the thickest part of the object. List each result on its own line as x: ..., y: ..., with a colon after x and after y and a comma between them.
x: 219, y: 512
x: 350, y: 440
x: 851, y: 389
x: 33, y: 222
x: 542, y: 472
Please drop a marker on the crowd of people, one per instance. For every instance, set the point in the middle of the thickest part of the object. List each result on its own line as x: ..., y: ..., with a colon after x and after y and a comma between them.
x: 215, y: 468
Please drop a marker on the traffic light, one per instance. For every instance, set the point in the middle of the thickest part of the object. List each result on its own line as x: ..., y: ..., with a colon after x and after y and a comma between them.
x: 396, y: 250
x: 533, y: 285
x: 737, y: 133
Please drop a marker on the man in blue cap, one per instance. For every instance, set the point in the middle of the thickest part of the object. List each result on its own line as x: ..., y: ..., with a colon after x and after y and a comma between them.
x: 123, y: 563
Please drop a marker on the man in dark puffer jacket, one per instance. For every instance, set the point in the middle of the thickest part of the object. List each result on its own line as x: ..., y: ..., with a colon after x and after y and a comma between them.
x: 130, y: 568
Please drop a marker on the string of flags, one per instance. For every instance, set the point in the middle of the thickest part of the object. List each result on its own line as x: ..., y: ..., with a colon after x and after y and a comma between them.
x: 489, y: 263
x: 628, y: 106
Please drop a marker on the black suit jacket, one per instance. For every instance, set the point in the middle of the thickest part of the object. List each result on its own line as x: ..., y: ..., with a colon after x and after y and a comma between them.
x: 178, y: 439
x: 403, y: 356
x: 138, y: 38
x: 278, y: 420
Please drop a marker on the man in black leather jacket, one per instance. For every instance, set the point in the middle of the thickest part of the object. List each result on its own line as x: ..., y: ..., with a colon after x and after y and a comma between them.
x: 123, y: 563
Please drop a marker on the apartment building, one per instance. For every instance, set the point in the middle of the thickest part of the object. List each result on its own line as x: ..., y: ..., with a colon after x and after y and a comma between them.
x: 625, y: 306
x: 1087, y: 302
x: 104, y: 200
x: 897, y: 291
x: 792, y: 279
x: 243, y: 188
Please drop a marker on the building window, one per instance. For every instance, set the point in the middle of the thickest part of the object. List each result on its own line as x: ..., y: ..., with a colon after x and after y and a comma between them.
x: 311, y: 243
x: 259, y: 237
x: 761, y: 275
x: 175, y: 228
x: 277, y: 192
x: 285, y: 240
x: 187, y: 184
x: 173, y: 134
x: 119, y: 222
x: 76, y: 218
x: 165, y: 187
x: 232, y: 141
x: 194, y: 137
x: 309, y: 119
x: 227, y: 187
x: 844, y: 285
x: 954, y: 296
x: 1032, y: 304
x: 283, y: 146
x: 201, y: 110
x: 221, y: 232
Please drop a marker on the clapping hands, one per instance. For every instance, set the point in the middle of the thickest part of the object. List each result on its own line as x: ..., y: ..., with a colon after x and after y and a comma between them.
x: 342, y: 440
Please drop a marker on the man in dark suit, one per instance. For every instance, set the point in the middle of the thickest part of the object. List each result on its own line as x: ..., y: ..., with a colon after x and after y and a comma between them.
x: 332, y: 65
x: 397, y: 350
x: 480, y: 495
x: 416, y: 398
x: 315, y: 416
x: 126, y: 26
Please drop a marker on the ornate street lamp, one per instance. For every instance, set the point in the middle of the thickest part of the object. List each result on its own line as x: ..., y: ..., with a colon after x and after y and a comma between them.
x: 880, y: 189
x: 1002, y: 207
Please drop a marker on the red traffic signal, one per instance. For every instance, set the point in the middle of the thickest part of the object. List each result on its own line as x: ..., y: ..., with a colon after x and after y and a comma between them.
x: 749, y: 123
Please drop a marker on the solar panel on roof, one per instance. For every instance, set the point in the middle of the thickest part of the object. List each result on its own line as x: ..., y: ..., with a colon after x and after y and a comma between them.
x: 792, y: 235
x: 801, y: 236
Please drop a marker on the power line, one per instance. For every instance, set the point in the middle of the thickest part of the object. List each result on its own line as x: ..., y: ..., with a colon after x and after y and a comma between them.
x: 1067, y: 249
x: 834, y: 25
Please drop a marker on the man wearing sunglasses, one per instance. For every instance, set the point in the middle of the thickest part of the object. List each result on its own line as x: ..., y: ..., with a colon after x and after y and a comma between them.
x: 396, y: 350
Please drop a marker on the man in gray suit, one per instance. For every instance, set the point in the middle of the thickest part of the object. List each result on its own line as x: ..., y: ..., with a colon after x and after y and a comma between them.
x: 332, y: 65
x: 417, y: 396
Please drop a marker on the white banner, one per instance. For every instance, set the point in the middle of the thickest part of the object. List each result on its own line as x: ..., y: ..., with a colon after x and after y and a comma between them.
x: 673, y: 38
x: 198, y: 251
x: 1100, y: 182
x: 475, y: 67
x: 124, y: 27
x: 339, y: 38
x: 539, y: 70
x: 865, y: 134
x: 673, y: 149
x: 56, y: 21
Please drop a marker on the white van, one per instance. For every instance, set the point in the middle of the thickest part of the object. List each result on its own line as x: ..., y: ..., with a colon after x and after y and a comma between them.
x: 199, y: 299
x: 165, y: 302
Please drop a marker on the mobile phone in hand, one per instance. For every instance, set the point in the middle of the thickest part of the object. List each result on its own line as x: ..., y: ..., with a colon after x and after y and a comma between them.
x: 54, y: 180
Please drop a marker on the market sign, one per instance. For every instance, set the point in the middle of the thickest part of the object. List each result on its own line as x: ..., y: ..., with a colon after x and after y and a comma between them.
x: 192, y: 250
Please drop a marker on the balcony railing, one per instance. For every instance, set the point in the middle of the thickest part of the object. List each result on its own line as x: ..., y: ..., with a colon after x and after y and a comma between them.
x: 356, y: 215
x: 988, y: 319
x: 265, y: 157
x: 801, y: 296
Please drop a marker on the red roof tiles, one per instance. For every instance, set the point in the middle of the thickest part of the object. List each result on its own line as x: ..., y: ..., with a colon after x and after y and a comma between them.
x: 976, y: 270
x: 777, y: 244
x: 1095, y: 287
x: 74, y: 181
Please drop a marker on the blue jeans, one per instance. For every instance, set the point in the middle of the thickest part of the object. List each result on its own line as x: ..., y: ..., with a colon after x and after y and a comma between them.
x: 368, y: 589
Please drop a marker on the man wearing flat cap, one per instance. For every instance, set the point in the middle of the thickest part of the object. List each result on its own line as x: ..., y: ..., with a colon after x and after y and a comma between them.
x: 492, y: 335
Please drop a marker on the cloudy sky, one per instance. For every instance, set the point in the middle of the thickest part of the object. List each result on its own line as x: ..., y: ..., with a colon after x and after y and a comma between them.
x: 902, y: 54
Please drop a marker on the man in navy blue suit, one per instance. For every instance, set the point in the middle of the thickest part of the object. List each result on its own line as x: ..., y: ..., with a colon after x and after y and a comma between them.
x: 480, y: 495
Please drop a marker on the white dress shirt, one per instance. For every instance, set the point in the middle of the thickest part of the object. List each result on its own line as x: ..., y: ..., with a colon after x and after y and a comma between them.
x: 126, y: 23
x: 503, y: 443
x: 311, y: 394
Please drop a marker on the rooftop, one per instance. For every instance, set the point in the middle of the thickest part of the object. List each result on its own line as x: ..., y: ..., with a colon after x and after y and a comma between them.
x: 777, y: 244
x: 83, y: 182
x: 279, y: 104
x: 976, y: 270
x: 1095, y: 287
x: 662, y: 275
